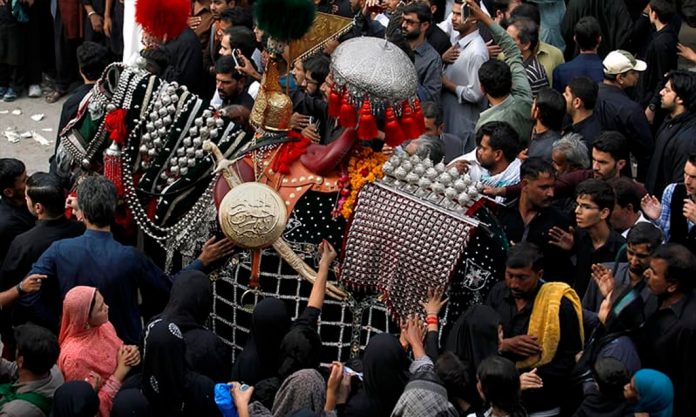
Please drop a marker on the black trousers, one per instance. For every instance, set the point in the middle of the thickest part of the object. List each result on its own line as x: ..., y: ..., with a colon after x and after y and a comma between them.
x: 67, y: 70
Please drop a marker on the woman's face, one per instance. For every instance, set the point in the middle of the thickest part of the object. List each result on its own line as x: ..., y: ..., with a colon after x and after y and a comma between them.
x: 100, y: 312
x: 630, y: 391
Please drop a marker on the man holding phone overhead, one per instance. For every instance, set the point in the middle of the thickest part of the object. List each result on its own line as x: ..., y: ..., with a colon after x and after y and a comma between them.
x: 231, y: 84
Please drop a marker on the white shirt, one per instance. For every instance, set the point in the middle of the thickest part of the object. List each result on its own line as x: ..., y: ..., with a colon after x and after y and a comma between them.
x: 464, y: 71
x: 509, y: 176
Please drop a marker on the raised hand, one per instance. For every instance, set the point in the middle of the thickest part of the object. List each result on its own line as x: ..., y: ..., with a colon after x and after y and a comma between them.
x: 651, y: 206
x: 604, y: 279
x: 561, y: 238
x: 433, y: 304
x: 215, y: 249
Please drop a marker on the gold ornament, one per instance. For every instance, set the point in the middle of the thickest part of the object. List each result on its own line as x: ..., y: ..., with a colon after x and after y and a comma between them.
x: 253, y: 215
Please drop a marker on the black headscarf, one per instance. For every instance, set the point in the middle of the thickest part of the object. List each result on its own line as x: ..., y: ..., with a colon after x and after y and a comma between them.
x: 300, y: 349
x: 190, y: 301
x: 75, y: 399
x: 260, y: 357
x: 170, y: 388
x: 474, y: 336
x: 385, y: 369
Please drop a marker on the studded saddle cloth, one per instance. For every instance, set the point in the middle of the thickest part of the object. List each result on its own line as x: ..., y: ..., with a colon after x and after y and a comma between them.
x: 401, y: 245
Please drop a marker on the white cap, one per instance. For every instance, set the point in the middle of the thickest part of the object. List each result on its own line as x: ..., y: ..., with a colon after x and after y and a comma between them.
x: 620, y: 61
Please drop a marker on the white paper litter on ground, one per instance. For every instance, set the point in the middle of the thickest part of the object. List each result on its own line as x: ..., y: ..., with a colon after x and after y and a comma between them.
x: 12, y: 135
x: 47, y: 129
x: 25, y: 135
x: 37, y: 117
x: 42, y: 140
x: 4, y: 111
x: 17, y: 112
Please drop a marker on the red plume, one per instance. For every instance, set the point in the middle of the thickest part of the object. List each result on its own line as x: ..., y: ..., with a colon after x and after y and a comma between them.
x: 164, y: 19
x: 393, y: 135
x: 408, y: 123
x: 368, y: 125
x: 347, y: 118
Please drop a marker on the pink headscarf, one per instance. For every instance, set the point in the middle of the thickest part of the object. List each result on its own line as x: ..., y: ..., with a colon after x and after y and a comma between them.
x: 84, y: 348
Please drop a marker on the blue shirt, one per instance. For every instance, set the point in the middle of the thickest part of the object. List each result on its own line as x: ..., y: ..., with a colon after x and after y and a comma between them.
x: 95, y: 259
x: 589, y: 65
x: 665, y: 219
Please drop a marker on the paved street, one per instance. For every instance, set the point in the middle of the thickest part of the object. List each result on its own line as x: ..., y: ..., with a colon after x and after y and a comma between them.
x: 34, y: 154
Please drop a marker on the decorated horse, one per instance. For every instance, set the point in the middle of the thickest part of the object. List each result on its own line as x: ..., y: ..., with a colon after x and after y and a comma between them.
x: 402, y: 224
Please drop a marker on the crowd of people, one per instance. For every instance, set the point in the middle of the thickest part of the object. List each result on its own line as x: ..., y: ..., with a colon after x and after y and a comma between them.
x: 578, y: 117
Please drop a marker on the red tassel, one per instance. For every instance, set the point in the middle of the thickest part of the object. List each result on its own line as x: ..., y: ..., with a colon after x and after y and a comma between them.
x: 115, y: 124
x: 368, y: 125
x: 393, y: 135
x: 408, y: 123
x: 418, y: 115
x: 112, y: 167
x: 334, y: 104
x: 347, y: 118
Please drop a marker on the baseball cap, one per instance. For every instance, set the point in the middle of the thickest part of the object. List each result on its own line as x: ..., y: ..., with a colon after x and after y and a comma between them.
x: 620, y: 61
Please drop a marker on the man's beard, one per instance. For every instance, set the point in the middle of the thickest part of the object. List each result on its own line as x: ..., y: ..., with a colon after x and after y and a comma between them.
x: 412, y: 35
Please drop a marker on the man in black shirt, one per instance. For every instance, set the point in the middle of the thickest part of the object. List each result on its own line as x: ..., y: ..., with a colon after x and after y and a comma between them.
x: 616, y: 111
x: 581, y: 96
x: 231, y: 84
x: 514, y: 299
x: 668, y: 338
x: 594, y: 242
x: 92, y: 58
x: 46, y: 200
x: 530, y: 217
x: 15, y: 218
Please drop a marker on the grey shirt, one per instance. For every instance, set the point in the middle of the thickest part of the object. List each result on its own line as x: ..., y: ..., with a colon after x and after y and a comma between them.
x: 45, y: 386
x: 541, y: 145
x: 429, y: 68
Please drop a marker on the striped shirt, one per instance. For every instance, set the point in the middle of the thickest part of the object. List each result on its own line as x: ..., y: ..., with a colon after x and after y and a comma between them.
x: 536, y: 75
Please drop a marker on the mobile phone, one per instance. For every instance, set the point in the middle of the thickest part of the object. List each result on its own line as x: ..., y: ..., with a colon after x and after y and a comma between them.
x: 235, y: 57
x: 349, y: 371
x: 466, y: 11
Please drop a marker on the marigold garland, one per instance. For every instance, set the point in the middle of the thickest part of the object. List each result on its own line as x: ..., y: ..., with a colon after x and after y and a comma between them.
x: 364, y: 166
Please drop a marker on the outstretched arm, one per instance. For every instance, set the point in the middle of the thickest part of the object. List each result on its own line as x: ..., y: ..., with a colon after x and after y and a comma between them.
x: 328, y: 254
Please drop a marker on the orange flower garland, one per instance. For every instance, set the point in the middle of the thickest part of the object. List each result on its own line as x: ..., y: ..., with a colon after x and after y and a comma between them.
x: 364, y: 166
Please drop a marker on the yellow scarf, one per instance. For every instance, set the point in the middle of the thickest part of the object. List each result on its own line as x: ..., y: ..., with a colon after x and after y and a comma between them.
x: 545, y: 323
